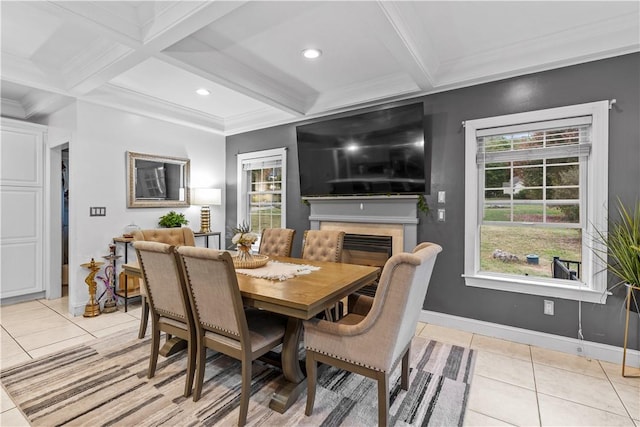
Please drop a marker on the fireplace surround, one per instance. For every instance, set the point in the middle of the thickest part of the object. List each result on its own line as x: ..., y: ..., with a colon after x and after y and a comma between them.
x: 395, y: 216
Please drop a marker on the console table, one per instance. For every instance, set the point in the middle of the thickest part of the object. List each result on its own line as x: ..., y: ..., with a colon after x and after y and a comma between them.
x: 125, y: 294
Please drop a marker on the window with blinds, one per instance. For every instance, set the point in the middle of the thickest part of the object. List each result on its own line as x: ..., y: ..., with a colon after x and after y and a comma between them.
x: 262, y: 189
x: 532, y: 174
x: 535, y: 186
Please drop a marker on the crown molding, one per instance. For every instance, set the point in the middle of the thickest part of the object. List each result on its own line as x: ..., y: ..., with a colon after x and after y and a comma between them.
x: 11, y: 108
x: 570, y: 47
x: 256, y: 119
x: 134, y: 102
x: 385, y: 87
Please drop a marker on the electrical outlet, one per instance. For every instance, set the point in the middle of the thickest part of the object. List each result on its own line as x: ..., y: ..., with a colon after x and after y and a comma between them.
x: 548, y: 307
x: 441, y: 215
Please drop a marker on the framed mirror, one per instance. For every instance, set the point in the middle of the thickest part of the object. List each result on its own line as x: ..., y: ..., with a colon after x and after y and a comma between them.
x: 157, y: 181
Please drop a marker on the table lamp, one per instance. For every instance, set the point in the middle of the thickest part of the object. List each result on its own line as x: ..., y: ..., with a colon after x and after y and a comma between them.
x: 206, y: 197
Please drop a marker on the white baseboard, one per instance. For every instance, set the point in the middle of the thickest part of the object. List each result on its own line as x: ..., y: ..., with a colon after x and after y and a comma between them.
x: 594, y: 350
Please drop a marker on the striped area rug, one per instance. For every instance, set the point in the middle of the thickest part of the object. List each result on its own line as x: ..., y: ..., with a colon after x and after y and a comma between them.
x: 104, y: 383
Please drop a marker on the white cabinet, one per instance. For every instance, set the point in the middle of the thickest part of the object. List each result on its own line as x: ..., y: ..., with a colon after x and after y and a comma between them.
x: 22, y: 148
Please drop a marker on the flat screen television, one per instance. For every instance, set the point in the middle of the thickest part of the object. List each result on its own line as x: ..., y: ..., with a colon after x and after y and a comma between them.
x: 379, y: 152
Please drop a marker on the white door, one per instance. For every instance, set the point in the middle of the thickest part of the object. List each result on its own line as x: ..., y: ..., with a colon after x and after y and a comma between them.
x: 22, y: 205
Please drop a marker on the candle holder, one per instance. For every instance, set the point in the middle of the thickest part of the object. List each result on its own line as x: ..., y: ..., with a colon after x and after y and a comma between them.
x: 92, y: 308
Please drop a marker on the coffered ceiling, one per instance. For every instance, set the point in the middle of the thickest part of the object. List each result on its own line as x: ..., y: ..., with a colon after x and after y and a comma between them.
x: 149, y: 57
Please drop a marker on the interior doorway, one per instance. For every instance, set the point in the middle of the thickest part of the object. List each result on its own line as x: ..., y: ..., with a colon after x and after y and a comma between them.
x: 65, y: 221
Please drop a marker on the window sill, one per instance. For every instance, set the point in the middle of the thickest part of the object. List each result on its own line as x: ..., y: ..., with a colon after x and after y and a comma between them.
x: 579, y: 292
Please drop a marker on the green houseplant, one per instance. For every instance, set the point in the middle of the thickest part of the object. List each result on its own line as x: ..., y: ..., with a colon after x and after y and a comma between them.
x: 621, y: 244
x: 173, y: 219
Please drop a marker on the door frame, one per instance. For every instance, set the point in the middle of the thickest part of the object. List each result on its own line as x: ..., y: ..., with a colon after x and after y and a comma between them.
x: 57, y: 140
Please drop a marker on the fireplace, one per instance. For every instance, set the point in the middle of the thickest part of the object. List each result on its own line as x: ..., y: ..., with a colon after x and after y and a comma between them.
x: 395, y: 216
x: 367, y: 249
x: 376, y: 226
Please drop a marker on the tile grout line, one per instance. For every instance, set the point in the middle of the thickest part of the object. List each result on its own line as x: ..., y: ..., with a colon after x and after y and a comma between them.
x: 615, y: 390
x: 535, y: 385
x: 474, y: 374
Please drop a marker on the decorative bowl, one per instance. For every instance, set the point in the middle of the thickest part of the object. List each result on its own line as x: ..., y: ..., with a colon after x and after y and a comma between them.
x: 254, y: 262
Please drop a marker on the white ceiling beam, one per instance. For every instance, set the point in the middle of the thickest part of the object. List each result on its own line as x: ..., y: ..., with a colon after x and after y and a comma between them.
x: 414, y: 52
x: 183, y: 19
x: 125, y: 45
x: 224, y: 70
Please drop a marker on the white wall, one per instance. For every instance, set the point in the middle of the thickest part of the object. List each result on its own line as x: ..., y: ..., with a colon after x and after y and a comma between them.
x: 97, y: 177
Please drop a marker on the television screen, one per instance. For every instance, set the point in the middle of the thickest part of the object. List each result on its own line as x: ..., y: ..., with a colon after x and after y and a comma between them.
x: 380, y: 152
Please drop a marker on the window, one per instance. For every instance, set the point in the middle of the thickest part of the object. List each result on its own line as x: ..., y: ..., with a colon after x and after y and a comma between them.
x: 262, y: 189
x: 535, y: 189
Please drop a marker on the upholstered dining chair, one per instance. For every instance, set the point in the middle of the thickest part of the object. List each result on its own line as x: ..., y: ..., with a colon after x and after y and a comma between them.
x: 178, y: 236
x: 372, y: 344
x: 168, y: 301
x: 276, y: 241
x: 324, y: 245
x: 222, y: 323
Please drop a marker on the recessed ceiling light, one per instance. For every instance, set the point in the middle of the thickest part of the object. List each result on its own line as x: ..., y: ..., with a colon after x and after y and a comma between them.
x: 311, y: 53
x: 203, y: 92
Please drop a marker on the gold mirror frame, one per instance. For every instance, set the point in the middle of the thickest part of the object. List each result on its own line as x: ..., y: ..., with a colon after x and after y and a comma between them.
x: 169, y: 189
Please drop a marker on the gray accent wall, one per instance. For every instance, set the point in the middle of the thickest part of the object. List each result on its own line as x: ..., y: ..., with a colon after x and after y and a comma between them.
x: 615, y: 78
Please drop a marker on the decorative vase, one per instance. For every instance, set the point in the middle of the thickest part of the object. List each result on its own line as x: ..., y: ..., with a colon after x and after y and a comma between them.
x: 244, y: 252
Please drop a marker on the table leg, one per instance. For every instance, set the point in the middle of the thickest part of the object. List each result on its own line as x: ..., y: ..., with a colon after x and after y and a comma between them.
x: 294, y: 382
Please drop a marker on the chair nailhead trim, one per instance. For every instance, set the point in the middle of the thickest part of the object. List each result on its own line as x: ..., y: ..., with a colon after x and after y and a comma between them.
x: 344, y: 360
x: 209, y: 325
x: 170, y: 314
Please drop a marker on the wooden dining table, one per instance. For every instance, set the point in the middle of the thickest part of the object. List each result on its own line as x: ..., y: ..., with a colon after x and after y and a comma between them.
x: 299, y: 298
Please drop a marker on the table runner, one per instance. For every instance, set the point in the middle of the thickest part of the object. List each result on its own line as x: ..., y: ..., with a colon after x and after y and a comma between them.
x: 275, y: 270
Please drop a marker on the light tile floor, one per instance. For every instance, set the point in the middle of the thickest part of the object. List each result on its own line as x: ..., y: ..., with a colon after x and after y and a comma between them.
x: 512, y: 384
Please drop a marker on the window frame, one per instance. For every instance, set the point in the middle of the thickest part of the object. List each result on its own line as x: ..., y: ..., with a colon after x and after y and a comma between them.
x: 243, y: 205
x: 592, y: 287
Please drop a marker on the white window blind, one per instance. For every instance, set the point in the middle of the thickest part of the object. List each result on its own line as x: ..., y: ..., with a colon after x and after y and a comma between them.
x: 551, y: 139
x: 262, y: 163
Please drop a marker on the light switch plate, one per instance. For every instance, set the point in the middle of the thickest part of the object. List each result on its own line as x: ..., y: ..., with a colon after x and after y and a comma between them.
x: 441, y: 196
x: 97, y: 211
x: 441, y: 215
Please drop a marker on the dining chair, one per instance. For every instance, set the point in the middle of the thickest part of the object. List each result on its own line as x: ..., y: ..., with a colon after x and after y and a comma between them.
x: 324, y: 245
x: 178, y: 236
x: 373, y: 342
x: 222, y: 323
x: 168, y: 301
x: 276, y: 241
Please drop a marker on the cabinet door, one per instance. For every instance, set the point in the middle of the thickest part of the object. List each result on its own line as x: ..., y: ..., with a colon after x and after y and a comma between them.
x: 21, y: 198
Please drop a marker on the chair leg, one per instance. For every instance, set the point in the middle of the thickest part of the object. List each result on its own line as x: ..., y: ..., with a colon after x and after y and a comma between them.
x: 144, y: 318
x: 246, y: 392
x: 201, y: 358
x: 312, y: 375
x: 383, y: 399
x: 404, y: 378
x: 191, y: 365
x: 155, y: 346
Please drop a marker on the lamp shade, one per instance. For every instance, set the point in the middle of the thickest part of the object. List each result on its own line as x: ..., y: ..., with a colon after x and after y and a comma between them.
x: 207, y: 196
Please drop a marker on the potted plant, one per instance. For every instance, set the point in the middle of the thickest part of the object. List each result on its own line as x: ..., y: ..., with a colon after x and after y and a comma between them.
x: 621, y: 253
x: 173, y: 219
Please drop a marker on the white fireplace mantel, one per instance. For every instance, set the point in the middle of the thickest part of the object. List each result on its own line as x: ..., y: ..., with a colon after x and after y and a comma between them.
x: 401, y: 210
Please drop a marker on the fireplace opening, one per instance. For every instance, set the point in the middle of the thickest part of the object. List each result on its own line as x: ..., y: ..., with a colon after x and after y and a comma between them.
x: 365, y: 249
